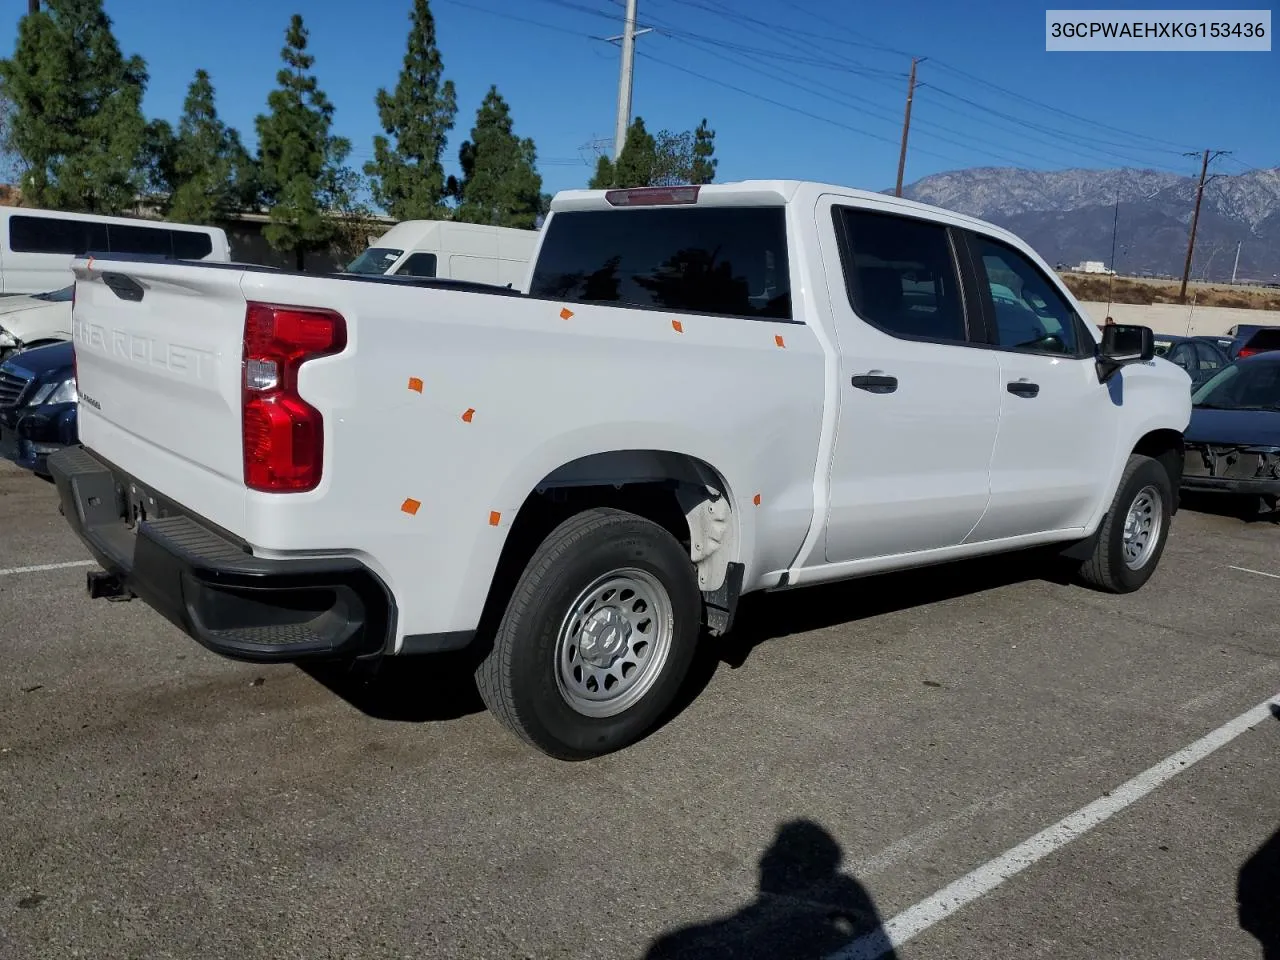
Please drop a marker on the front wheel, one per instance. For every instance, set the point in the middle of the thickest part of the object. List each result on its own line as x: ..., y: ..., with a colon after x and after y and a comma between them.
x: 1133, y: 534
x: 597, y: 638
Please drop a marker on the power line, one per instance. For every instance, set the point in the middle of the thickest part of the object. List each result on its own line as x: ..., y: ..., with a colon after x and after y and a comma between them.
x: 1168, y: 147
x: 786, y: 106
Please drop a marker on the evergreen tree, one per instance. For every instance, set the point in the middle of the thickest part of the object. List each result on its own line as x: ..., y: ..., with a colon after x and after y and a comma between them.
x: 603, y: 178
x: 637, y: 162
x: 703, y: 166
x: 500, y: 185
x: 407, y: 179
x: 77, y: 126
x: 209, y: 171
x: 300, y: 162
x: 663, y: 159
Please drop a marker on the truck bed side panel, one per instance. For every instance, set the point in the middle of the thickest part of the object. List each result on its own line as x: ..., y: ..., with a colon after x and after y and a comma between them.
x: 511, y: 389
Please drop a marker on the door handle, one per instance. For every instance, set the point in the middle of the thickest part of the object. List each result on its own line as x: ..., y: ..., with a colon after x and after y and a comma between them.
x: 1023, y: 388
x: 875, y: 381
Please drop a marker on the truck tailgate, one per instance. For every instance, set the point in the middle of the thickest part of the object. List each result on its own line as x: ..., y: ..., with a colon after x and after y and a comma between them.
x: 159, y: 348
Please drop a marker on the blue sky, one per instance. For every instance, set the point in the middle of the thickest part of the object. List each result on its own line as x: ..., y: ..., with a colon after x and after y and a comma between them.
x: 794, y: 88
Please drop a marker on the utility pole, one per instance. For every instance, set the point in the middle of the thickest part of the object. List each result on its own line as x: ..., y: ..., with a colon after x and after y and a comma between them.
x: 1195, y: 218
x: 624, y: 79
x: 906, y: 125
x: 33, y: 6
x: 1239, y: 244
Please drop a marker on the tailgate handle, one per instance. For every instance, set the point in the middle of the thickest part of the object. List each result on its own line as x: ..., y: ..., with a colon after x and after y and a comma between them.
x: 124, y: 287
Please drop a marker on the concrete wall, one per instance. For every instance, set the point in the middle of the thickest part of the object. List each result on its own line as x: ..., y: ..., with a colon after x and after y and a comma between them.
x: 1179, y: 319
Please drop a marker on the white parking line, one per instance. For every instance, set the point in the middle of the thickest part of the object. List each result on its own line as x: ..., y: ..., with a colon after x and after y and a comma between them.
x: 41, y: 567
x: 1261, y: 573
x: 917, y: 919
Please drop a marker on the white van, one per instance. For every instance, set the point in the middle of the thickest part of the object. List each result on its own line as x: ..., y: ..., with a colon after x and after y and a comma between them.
x: 37, y: 246
x: 455, y: 251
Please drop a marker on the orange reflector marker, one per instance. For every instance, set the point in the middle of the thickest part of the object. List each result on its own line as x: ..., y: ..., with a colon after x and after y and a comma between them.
x: 410, y: 506
x: 677, y: 326
x: 470, y: 412
x: 779, y: 341
x: 756, y: 500
x: 415, y: 384
x: 566, y: 313
x: 495, y: 518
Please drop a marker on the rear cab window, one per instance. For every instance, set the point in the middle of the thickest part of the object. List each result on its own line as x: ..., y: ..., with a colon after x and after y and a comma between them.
x: 729, y: 261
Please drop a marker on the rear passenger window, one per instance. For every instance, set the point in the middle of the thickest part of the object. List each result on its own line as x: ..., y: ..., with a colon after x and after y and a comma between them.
x: 1210, y: 357
x: 148, y: 240
x: 56, y: 235
x: 710, y: 260
x: 190, y: 245
x: 418, y: 265
x: 901, y: 276
x: 1029, y: 313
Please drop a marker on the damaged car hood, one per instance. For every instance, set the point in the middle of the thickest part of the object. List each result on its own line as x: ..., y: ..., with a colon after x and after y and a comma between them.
x: 1252, y: 428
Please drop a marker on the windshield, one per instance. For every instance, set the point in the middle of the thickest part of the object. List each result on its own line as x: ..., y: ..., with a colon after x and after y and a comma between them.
x: 375, y: 260
x: 56, y: 296
x: 1163, y: 347
x: 1241, y: 386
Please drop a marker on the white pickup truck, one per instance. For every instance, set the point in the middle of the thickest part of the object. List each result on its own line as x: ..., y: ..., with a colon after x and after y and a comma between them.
x: 706, y: 391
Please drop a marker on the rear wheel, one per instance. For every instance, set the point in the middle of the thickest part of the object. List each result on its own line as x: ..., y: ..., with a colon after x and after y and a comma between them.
x: 597, y: 638
x: 1132, y: 537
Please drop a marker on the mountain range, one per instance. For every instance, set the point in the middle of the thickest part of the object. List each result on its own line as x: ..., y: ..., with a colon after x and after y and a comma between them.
x: 1068, y: 216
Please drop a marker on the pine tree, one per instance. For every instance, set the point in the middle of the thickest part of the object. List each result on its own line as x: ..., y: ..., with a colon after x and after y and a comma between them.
x: 703, y: 167
x: 210, y: 172
x: 500, y: 185
x: 77, y: 125
x: 407, y: 179
x: 636, y: 163
x: 300, y: 162
x: 604, y: 178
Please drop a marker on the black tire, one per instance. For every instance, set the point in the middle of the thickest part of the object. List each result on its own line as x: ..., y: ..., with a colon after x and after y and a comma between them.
x: 519, y: 678
x: 1106, y: 569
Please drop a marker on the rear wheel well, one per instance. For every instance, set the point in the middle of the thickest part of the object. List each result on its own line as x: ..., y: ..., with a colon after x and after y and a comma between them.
x: 1166, y: 448
x: 682, y: 494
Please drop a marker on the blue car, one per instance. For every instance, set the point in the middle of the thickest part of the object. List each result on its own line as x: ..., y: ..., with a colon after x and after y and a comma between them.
x: 37, y: 405
x: 1201, y: 357
x: 1233, y: 440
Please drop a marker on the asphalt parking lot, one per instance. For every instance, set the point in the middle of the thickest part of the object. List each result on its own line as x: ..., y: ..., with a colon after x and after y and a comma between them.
x: 848, y: 754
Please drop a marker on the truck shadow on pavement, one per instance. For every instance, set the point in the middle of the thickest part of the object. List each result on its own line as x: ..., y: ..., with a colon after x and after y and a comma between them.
x: 429, y: 689
x: 442, y: 687
x: 1258, y: 892
x: 765, y: 617
x: 1244, y: 509
x: 804, y: 908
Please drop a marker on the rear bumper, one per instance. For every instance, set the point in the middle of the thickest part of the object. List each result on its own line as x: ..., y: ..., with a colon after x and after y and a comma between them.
x: 211, y: 586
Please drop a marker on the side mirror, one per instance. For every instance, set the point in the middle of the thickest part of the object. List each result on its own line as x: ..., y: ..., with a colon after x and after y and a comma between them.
x: 1123, y: 344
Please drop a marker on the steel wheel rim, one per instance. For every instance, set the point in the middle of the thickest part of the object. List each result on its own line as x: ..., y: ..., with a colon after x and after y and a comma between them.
x: 614, y: 642
x: 1142, y: 525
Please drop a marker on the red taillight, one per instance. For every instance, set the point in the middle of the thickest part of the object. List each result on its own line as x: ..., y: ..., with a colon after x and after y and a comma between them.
x: 283, y: 435
x: 652, y: 196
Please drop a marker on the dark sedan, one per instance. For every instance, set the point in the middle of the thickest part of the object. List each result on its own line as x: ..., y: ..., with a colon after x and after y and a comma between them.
x: 1201, y: 357
x: 37, y: 405
x: 1233, y: 440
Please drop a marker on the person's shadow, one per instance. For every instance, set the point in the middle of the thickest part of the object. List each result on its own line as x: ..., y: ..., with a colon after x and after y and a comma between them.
x: 805, y: 908
x: 1258, y: 892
